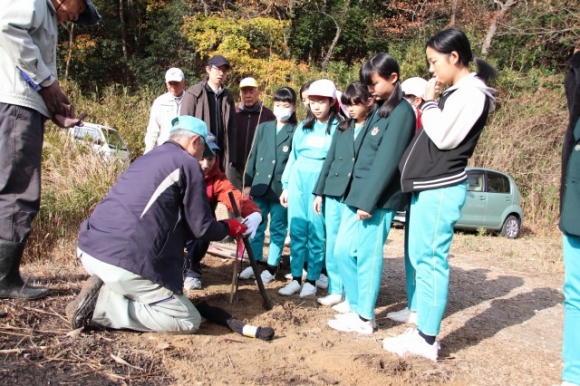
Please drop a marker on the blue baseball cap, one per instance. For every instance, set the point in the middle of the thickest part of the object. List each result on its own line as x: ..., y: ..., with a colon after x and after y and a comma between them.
x: 211, y: 141
x: 195, y: 125
x: 90, y: 16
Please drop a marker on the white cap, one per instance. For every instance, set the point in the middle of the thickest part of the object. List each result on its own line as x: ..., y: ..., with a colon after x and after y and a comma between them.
x: 248, y: 82
x: 323, y: 87
x: 415, y: 86
x: 174, y: 75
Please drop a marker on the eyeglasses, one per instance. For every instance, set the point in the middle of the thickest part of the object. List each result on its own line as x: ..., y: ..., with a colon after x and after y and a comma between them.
x: 222, y: 69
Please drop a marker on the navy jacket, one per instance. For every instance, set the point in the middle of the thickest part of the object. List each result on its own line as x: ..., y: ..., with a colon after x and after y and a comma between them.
x: 142, y: 224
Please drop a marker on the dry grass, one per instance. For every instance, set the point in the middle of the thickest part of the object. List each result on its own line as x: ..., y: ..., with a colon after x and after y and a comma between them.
x: 524, y: 138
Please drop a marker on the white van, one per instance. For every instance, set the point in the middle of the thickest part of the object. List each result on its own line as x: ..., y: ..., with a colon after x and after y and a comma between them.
x: 103, y: 140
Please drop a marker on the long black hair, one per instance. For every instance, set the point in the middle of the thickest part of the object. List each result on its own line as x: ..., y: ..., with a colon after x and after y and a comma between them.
x: 287, y: 94
x: 454, y: 39
x: 355, y: 93
x: 384, y: 65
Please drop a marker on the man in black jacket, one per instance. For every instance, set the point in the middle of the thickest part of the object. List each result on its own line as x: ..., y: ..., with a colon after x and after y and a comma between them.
x: 133, y: 242
x: 249, y: 114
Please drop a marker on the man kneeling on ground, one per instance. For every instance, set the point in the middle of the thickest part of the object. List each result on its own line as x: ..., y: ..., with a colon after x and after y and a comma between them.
x: 133, y: 242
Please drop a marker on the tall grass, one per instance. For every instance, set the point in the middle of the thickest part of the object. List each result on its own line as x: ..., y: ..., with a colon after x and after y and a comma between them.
x: 74, y: 180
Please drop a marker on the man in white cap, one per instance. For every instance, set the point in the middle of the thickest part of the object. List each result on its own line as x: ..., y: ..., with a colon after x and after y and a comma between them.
x: 164, y: 109
x: 249, y: 114
x: 29, y: 95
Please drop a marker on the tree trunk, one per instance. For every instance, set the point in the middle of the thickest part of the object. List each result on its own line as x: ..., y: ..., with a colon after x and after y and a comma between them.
x: 504, y: 8
x: 339, y: 26
x: 123, y: 32
x: 70, y: 29
x: 453, y: 13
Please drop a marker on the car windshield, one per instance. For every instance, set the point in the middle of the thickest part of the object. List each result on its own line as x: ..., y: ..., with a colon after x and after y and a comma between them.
x: 87, y: 134
x: 114, y: 139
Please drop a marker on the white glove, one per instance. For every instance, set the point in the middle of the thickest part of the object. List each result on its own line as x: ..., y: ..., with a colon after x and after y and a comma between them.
x: 252, y: 221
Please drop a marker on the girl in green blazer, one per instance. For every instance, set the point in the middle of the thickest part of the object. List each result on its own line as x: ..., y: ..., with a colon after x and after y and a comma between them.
x: 335, y: 177
x: 268, y: 157
x: 374, y: 195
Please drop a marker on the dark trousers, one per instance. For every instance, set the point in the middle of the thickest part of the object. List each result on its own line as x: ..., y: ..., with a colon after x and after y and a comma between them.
x: 21, y: 136
x: 196, y: 250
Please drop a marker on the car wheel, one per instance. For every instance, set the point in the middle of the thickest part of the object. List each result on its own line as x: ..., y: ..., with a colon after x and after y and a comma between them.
x: 511, y: 227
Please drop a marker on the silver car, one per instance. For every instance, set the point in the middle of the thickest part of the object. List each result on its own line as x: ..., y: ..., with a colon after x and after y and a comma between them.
x: 493, y: 202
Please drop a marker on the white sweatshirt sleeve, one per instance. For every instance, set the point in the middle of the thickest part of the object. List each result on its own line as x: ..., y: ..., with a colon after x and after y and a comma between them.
x: 448, y: 127
x: 153, y: 128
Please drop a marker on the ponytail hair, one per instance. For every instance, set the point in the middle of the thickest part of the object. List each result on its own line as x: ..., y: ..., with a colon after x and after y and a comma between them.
x: 454, y: 39
x: 287, y: 94
x: 384, y: 65
x: 355, y: 93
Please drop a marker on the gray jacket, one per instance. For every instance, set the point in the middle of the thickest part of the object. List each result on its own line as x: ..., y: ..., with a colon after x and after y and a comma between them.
x: 28, y: 41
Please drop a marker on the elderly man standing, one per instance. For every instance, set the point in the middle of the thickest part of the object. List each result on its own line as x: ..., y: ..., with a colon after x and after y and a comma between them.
x: 211, y: 102
x: 133, y: 242
x: 164, y: 109
x: 29, y: 95
x: 249, y: 114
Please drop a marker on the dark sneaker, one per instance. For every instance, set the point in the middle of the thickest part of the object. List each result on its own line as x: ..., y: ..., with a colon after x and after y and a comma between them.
x: 80, y: 311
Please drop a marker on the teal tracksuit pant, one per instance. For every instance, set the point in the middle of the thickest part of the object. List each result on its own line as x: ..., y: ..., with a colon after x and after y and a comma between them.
x: 333, y: 211
x: 278, y: 229
x: 571, y: 341
x: 410, y: 278
x: 433, y: 215
x: 307, y: 233
x: 359, y: 253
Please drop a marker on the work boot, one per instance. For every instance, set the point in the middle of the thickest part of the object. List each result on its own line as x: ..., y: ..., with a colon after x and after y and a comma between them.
x: 80, y: 311
x: 11, y: 284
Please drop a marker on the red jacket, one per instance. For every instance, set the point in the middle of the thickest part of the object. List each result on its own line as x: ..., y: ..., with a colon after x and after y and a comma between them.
x: 218, y: 186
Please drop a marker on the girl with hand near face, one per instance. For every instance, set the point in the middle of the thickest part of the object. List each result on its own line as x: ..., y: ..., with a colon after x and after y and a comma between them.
x: 433, y: 171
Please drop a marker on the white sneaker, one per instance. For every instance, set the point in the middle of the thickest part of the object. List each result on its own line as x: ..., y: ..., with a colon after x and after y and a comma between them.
x: 351, y: 323
x: 342, y: 307
x: 354, y: 315
x: 247, y: 274
x: 191, y: 283
x: 330, y: 300
x: 308, y: 290
x: 403, y: 316
x: 267, y: 277
x: 322, y: 281
x: 290, y: 288
x: 411, y: 343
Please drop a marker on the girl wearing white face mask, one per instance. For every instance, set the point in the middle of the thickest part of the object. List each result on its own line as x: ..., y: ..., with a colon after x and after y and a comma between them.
x: 270, y: 151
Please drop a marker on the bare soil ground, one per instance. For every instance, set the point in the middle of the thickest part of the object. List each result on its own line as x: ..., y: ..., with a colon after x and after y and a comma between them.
x: 502, y: 327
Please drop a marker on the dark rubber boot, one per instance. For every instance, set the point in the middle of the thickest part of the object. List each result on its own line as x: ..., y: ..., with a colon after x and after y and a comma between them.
x: 11, y: 284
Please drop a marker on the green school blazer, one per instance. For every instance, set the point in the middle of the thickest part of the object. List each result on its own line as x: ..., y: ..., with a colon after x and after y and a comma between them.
x: 376, y: 181
x: 570, y: 214
x: 268, y: 157
x: 336, y: 173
